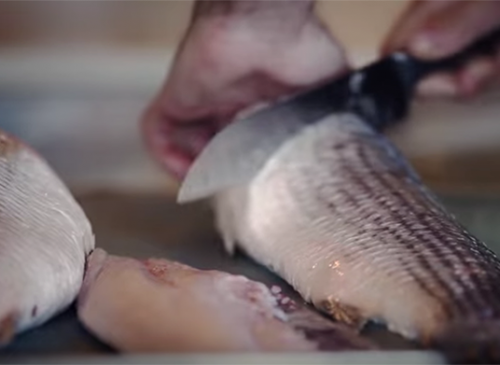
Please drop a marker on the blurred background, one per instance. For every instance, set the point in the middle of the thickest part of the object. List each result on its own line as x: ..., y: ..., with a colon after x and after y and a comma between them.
x: 75, y: 76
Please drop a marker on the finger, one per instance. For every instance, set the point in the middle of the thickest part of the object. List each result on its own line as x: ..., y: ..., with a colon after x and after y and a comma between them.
x: 169, y: 153
x: 476, y: 76
x: 412, y: 18
x: 156, y: 136
x: 174, y: 136
x: 191, y: 138
x: 443, y: 85
x: 176, y: 163
x: 452, y: 29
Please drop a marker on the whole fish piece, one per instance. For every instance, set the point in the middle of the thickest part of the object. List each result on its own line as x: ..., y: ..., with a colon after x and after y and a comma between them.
x: 340, y: 214
x: 45, y: 237
x: 159, y: 305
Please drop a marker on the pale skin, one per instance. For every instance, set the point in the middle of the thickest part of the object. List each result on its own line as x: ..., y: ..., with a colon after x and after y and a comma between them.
x: 239, y: 53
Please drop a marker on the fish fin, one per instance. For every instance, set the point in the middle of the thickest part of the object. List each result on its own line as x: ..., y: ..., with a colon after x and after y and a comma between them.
x: 343, y: 313
x: 229, y: 245
x: 328, y: 335
x: 8, y: 328
x: 228, y: 241
x: 225, y: 222
x: 470, y: 342
x: 325, y: 333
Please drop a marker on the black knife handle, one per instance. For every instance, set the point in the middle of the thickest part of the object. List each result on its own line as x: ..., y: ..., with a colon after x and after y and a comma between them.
x: 383, y: 91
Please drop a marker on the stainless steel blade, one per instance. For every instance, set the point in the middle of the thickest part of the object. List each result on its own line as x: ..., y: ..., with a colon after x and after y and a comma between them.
x: 237, y: 153
x: 381, y: 94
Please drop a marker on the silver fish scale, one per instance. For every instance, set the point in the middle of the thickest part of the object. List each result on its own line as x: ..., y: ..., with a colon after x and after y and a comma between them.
x: 448, y: 262
x: 342, y: 216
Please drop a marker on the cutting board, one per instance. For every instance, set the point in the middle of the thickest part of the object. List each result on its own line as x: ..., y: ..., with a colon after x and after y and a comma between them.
x: 152, y: 225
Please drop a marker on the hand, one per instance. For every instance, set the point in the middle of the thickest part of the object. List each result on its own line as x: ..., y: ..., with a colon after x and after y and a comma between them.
x: 432, y: 29
x: 235, y: 54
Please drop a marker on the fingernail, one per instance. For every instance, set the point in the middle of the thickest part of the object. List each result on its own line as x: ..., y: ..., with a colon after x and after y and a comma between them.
x: 443, y: 85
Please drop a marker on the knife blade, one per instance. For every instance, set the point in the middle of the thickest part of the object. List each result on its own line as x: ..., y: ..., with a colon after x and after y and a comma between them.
x: 381, y: 93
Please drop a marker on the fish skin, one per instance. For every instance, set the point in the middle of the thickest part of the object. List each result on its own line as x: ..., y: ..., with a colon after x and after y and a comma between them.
x: 45, y: 239
x: 157, y: 305
x: 340, y: 214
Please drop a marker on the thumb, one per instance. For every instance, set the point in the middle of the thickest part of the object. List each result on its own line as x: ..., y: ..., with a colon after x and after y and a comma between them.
x: 449, y: 28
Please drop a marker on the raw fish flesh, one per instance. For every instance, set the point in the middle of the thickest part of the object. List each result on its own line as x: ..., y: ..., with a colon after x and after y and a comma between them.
x: 158, y: 305
x: 45, y: 239
x: 339, y: 213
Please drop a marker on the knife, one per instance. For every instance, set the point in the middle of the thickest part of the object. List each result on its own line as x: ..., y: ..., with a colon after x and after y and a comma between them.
x: 381, y: 93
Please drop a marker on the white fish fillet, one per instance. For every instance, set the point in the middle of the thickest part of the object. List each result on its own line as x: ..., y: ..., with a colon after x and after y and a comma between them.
x: 45, y: 239
x: 158, y: 305
x: 340, y: 215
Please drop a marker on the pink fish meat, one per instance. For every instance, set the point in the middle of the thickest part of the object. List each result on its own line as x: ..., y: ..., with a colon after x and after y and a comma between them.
x: 158, y: 305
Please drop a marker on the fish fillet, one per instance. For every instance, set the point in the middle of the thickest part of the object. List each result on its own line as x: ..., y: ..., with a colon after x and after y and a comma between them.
x: 158, y: 305
x: 45, y: 239
x: 340, y: 215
